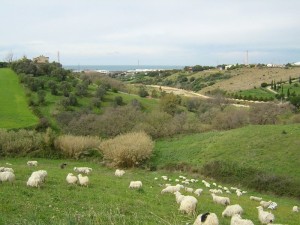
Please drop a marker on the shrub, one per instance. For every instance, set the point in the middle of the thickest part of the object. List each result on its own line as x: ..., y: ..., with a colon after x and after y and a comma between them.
x: 263, y: 85
x: 128, y: 150
x: 74, y: 146
x: 20, y: 143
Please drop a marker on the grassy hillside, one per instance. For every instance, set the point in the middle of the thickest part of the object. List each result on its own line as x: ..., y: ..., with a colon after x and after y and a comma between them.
x: 270, y: 148
x: 248, y: 78
x: 14, y: 110
x: 108, y: 200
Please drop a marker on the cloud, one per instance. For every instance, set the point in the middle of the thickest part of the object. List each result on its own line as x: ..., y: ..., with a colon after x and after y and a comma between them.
x: 158, y: 31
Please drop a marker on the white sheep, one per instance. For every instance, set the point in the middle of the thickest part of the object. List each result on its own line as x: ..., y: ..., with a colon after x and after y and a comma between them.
x: 237, y: 220
x: 7, y: 176
x: 207, y: 219
x: 34, y: 181
x: 71, y: 179
x: 265, y: 217
x: 239, y: 193
x: 136, y: 184
x: 42, y: 174
x: 188, y: 205
x: 32, y: 163
x: 273, y: 205
x: 232, y: 210
x: 6, y: 169
x: 258, y: 199
x: 198, y: 191
x: 84, y: 170
x: 216, y: 191
x: 83, y: 180
x: 179, y: 197
x: 295, y: 208
x: 119, y: 173
x: 265, y: 204
x: 171, y: 189
x: 221, y: 200
x: 189, y: 190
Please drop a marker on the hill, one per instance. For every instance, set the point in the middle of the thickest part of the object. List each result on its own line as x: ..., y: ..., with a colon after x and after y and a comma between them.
x: 267, y: 151
x: 14, y: 110
x: 248, y: 78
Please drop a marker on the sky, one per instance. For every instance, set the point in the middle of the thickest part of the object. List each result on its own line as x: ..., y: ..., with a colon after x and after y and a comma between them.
x: 156, y: 32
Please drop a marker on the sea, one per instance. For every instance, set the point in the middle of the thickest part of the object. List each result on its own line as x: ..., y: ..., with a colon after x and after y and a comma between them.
x: 117, y: 68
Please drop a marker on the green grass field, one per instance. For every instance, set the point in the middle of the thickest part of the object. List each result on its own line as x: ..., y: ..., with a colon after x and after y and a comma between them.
x: 14, y: 110
x: 271, y: 148
x: 256, y: 92
x: 108, y: 200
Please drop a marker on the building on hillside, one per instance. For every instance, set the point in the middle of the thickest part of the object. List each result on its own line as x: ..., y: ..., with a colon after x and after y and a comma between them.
x: 41, y: 59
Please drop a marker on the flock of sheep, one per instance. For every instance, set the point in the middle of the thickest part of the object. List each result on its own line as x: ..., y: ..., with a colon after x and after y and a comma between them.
x: 188, y: 203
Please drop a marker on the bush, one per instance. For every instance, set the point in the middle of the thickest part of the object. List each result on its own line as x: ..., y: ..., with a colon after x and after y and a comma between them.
x: 127, y: 150
x: 20, y: 143
x: 263, y: 85
x: 74, y: 146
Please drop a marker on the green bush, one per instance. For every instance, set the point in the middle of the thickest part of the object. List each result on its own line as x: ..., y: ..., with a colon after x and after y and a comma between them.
x: 127, y: 150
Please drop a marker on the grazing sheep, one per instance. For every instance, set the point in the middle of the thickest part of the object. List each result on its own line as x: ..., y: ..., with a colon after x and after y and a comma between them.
x: 239, y: 193
x: 42, y: 174
x: 265, y: 204
x: 198, y: 191
x: 206, y: 184
x: 273, y: 206
x: 265, y: 217
x: 63, y: 165
x: 176, y: 180
x: 214, y: 184
x: 83, y: 180
x: 135, y: 184
x: 7, y: 176
x: 179, y: 197
x: 232, y: 210
x: 216, y: 191
x: 6, y: 169
x: 155, y: 178
x: 188, y: 205
x: 119, y: 173
x: 189, y: 190
x: 295, y: 208
x: 171, y: 189
x: 34, y: 181
x: 9, y: 164
x: 84, y: 170
x: 71, y: 179
x: 207, y: 219
x: 221, y: 200
x: 258, y: 199
x: 32, y: 163
x: 237, y: 220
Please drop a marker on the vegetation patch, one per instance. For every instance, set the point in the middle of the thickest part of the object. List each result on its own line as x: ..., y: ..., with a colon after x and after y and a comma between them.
x: 14, y: 111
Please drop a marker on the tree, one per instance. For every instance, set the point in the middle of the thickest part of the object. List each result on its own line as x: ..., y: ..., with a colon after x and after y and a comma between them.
x: 41, y: 96
x: 143, y: 92
x: 169, y: 103
x: 118, y: 100
x: 288, y: 93
x: 65, y: 87
x: 81, y: 90
x: 290, y: 80
x: 295, y: 100
x: 100, y: 92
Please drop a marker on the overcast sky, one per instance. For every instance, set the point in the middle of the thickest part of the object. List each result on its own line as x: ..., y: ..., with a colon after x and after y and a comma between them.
x: 156, y: 32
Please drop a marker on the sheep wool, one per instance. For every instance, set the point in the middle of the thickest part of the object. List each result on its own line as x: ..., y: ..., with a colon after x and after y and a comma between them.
x: 265, y: 217
x: 265, y: 204
x: 189, y: 190
x: 258, y: 199
x: 84, y: 170
x: 136, y: 184
x: 207, y: 219
x: 179, y: 197
x: 198, y: 191
x: 232, y: 210
x: 295, y: 208
x: 34, y: 181
x: 221, y: 200
x: 71, y: 179
x: 32, y: 163
x: 188, y: 205
x: 170, y: 189
x: 237, y: 220
x: 119, y: 173
x: 7, y: 176
x: 83, y: 180
x: 6, y: 169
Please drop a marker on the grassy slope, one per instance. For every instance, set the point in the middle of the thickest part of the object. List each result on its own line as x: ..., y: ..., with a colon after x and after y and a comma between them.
x: 247, y: 78
x: 108, y: 200
x: 14, y: 111
x: 257, y: 92
x: 261, y: 147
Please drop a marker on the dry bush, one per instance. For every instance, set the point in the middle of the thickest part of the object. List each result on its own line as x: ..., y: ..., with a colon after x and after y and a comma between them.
x: 73, y: 146
x: 127, y: 150
x: 231, y: 118
x: 20, y: 143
